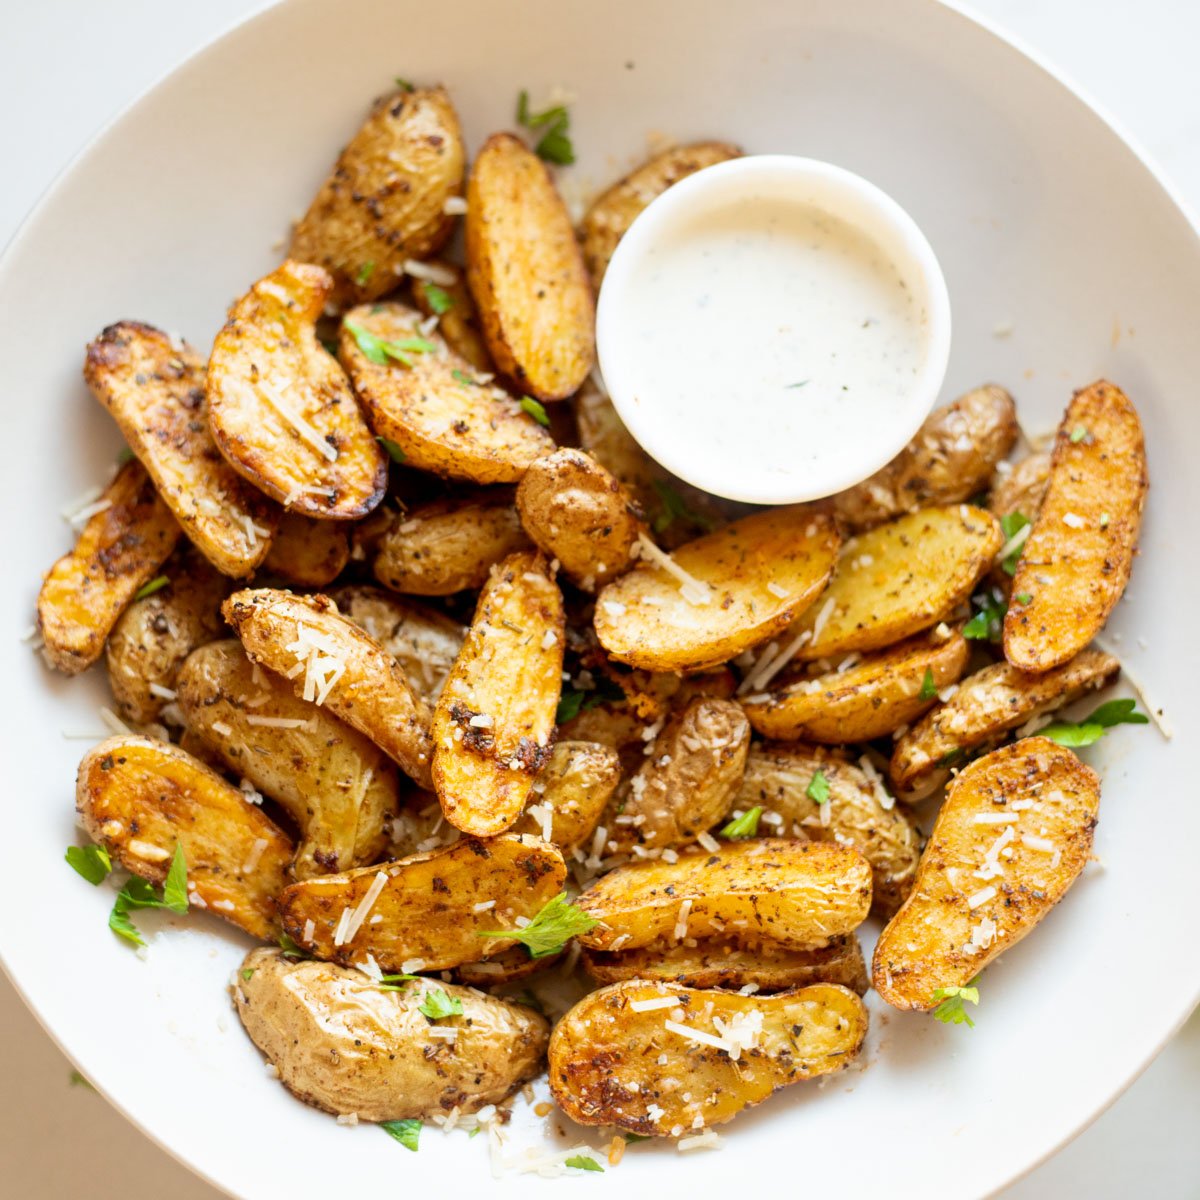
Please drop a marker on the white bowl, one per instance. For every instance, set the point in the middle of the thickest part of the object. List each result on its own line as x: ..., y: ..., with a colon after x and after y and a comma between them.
x: 743, y: 451
x: 1049, y: 227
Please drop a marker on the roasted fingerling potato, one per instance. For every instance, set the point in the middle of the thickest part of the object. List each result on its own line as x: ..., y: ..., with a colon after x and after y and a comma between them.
x: 308, y: 553
x: 458, y: 318
x: 570, y: 794
x: 1021, y: 487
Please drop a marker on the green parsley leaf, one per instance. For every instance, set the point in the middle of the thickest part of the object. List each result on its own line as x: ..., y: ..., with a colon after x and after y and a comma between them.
x: 928, y: 686
x: 331, y: 347
x: 555, y: 144
x: 635, y: 1137
x: 988, y: 622
x: 1078, y: 434
x: 1083, y: 733
x: 573, y: 702
x: 801, y: 384
x: 473, y: 1130
x: 1023, y: 597
x: 120, y: 924
x: 92, y: 862
x: 1011, y: 524
x: 148, y: 589
x: 379, y: 350
x: 290, y: 948
x: 673, y: 507
x: 557, y: 923
x: 140, y: 893
x: 175, y: 895
x: 818, y: 788
x: 394, y: 983
x: 394, y: 452
x: 569, y: 704
x: 535, y: 410
x: 951, y: 757
x: 583, y: 1162
x: 403, y: 84
x: 438, y: 298
x: 364, y: 272
x: 951, y: 1011
x: 78, y: 1080
x: 248, y: 973
x: 406, y: 1133
x: 124, y: 455
x: 437, y: 1004
x: 745, y: 826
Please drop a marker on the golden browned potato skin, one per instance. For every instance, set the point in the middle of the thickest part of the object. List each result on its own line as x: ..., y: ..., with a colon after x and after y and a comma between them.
x: 644, y: 619
x: 571, y: 793
x: 1020, y: 490
x: 427, y: 905
x: 714, y: 963
x: 153, y: 385
x: 372, y: 693
x: 338, y: 786
x: 606, y: 1058
x: 951, y: 458
x: 922, y: 948
x: 612, y: 213
x: 139, y: 798
x: 384, y: 201
x: 459, y: 324
x: 987, y: 705
x: 900, y: 578
x: 866, y: 701
x: 118, y: 551
x: 308, y: 553
x: 280, y: 408
x: 155, y: 634
x: 449, y: 546
x: 778, y: 776
x: 526, y: 272
x: 579, y: 513
x: 777, y: 890
x: 494, y: 721
x: 343, y: 1045
x: 510, y: 967
x: 1076, y: 562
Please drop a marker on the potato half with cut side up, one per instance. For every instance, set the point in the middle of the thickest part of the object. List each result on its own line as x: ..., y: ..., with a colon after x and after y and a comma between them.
x: 570, y: 794
x: 140, y: 798
x: 280, y: 408
x: 458, y: 318
x: 1076, y: 561
x: 330, y: 660
x: 986, y: 706
x: 900, y: 578
x: 777, y: 890
x: 426, y: 912
x: 341, y: 1043
x: 718, y: 595
x: 494, y: 721
x: 153, y: 386
x: 660, y: 1060
x: 129, y: 535
x: 1010, y: 839
x: 526, y: 272
x: 308, y: 553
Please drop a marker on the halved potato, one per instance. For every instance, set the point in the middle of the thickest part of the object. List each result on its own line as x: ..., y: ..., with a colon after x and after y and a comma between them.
x: 1021, y: 488
x: 459, y: 323
x: 339, y: 1042
x: 494, y: 720
x: 626, y: 1056
x: 986, y: 706
x: 338, y: 787
x: 139, y: 798
x: 331, y: 661
x: 153, y: 385
x: 282, y: 410
x: 1012, y: 836
x: 308, y: 553
x: 612, y: 213
x: 510, y: 967
x: 526, y: 272
x: 385, y: 200
x: 425, y: 912
x: 742, y: 584
x: 569, y: 796
x: 118, y: 551
x: 433, y: 404
x: 786, y: 892
x: 420, y: 826
x: 1076, y: 562
x: 900, y: 578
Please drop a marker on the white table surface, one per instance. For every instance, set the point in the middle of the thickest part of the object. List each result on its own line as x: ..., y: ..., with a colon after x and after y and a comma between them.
x: 66, y: 66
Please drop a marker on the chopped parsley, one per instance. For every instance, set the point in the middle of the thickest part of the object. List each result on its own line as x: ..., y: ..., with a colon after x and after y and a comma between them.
x: 290, y: 948
x: 1093, y: 728
x: 800, y: 384
x: 92, y: 862
x: 583, y: 1162
x: 124, y: 455
x: 635, y: 1137
x: 405, y: 86
x: 555, y: 144
x: 745, y: 826
x: 573, y: 702
x: 673, y: 507
x: 928, y: 686
x: 439, y: 300
x: 535, y: 410
x: 78, y: 1080
x: 407, y: 1133
x: 380, y: 350
x: 1011, y: 524
x: 437, y: 1004
x: 395, y: 453
x: 1078, y: 434
x: 364, y: 272
x: 951, y: 757
x: 248, y: 973
x: 951, y: 1011
x: 463, y: 378
x: 818, y: 788
x: 557, y: 923
x: 395, y: 983
x: 140, y: 893
x: 988, y: 622
x: 155, y: 585
x: 1023, y: 597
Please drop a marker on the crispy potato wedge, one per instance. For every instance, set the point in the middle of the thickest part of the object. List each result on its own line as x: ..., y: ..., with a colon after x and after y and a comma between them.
x: 153, y: 385
x: 459, y: 323
x: 140, y: 798
x: 448, y: 546
x: 384, y: 202
x: 308, y: 553
x: 1076, y: 561
x: 612, y: 213
x: 426, y: 904
x: 778, y: 777
x: 282, y: 410
x: 526, y: 272
x: 715, y: 963
x: 155, y: 634
x: 688, y: 780
x: 510, y: 967
x: 1021, y: 488
x: 342, y: 1044
x: 987, y: 705
x: 577, y: 512
x: 733, y: 602
x: 900, y: 578
x: 723, y: 1052
x: 969, y: 904
x: 338, y: 786
x: 777, y: 890
x: 871, y: 699
x: 570, y: 794
x: 422, y: 640
x: 118, y: 551
x: 494, y: 721
x: 330, y: 660
x: 434, y: 405
x: 951, y: 458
